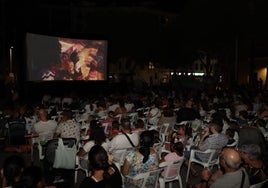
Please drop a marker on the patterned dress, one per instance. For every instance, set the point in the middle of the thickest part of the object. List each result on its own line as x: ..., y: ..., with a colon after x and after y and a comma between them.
x: 137, y: 166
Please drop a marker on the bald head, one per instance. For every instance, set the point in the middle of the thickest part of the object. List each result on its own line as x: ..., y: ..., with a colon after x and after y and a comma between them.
x: 231, y: 157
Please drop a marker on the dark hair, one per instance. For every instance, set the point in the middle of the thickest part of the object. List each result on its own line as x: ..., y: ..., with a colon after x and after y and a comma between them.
x: 30, y: 177
x: 98, y: 160
x: 115, y: 125
x: 230, y: 132
x: 125, y: 124
x: 12, y: 168
x: 146, y: 141
x: 97, y: 135
x: 178, y: 147
x: 253, y: 151
x: 140, y: 123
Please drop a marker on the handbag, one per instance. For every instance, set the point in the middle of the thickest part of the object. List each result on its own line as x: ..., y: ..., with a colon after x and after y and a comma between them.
x: 64, y: 156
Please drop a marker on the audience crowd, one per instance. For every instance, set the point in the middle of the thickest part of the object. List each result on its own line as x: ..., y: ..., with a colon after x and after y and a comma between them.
x: 119, y: 135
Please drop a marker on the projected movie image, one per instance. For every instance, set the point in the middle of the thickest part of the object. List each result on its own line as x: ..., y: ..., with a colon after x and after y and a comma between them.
x: 54, y: 58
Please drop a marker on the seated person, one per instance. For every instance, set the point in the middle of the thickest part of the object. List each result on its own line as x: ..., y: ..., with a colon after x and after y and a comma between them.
x: 12, y: 168
x: 115, y: 130
x: 253, y: 163
x: 229, y: 175
x: 142, y: 159
x: 121, y: 142
x: 230, y: 135
x: 154, y: 114
x: 103, y: 174
x: 181, y: 132
x: 176, y: 154
x: 139, y: 127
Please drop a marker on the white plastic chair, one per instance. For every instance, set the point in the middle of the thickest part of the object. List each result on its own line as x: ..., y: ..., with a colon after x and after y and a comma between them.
x: 133, y: 117
x: 259, y: 185
x: 78, y: 167
x: 209, y: 163
x: 142, y: 180
x: 169, y: 176
x: 163, y: 132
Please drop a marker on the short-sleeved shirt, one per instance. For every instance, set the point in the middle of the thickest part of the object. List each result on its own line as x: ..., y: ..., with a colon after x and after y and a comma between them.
x: 231, y: 180
x: 137, y: 165
x: 69, y: 129
x: 214, y: 141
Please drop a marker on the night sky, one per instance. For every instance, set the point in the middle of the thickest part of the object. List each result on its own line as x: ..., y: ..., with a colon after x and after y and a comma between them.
x: 164, y: 31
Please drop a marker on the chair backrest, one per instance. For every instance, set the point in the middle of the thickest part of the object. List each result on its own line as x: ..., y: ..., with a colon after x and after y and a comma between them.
x: 172, y: 169
x: 52, y: 145
x: 163, y: 132
x: 16, y: 133
x: 158, y: 148
x: 259, y: 185
x: 210, y: 153
x: 133, y: 117
x: 142, y: 180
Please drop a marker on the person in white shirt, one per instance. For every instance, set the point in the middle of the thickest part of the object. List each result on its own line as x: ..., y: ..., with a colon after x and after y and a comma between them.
x: 45, y: 127
x: 153, y: 115
x: 121, y: 142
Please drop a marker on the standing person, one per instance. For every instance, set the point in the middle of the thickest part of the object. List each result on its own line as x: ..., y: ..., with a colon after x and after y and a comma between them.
x: 232, y: 175
x: 103, y: 174
x: 68, y: 127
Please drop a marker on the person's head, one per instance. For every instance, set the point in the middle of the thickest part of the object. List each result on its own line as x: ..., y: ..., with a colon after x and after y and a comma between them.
x: 31, y: 177
x: 42, y: 114
x: 177, y: 147
x: 97, y: 134
x: 189, y: 103
x: 66, y: 115
x: 230, y: 160
x: 98, y: 160
x: 230, y: 133
x: 146, y: 142
x: 12, y: 168
x: 111, y: 114
x: 215, y: 128
x: 183, y: 129
x: 125, y: 124
x: 140, y: 124
x: 94, y: 124
x: 250, y: 152
x: 115, y: 125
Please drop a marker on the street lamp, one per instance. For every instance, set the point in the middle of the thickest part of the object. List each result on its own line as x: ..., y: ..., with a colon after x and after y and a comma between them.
x: 11, y: 60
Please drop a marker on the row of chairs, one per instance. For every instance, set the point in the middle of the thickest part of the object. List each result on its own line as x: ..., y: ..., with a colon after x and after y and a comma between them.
x: 172, y: 168
x: 169, y: 175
